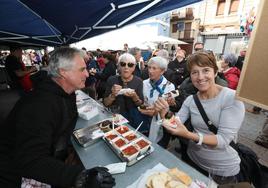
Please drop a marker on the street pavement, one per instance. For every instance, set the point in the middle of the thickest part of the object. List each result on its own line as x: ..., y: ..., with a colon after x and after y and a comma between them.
x: 250, y: 129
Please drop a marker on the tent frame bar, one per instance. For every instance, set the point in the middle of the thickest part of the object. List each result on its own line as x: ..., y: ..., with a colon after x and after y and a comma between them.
x: 105, y: 16
x: 139, y: 12
x: 95, y: 26
x: 132, y: 3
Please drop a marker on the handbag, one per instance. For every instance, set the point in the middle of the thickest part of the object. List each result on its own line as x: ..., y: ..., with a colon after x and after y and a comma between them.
x: 250, y: 170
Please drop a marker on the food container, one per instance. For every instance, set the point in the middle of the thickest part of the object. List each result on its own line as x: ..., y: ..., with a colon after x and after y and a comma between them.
x: 122, y: 129
x: 130, y: 135
x: 130, y: 152
x: 111, y: 135
x: 106, y: 126
x: 87, y: 111
x: 119, y: 142
x: 143, y: 144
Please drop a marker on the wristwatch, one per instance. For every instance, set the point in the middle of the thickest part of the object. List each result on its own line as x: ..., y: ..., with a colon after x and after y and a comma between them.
x: 201, y: 138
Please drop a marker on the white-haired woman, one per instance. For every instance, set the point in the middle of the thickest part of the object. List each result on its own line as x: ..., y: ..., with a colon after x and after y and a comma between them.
x: 155, y: 86
x: 127, y: 101
x: 230, y: 72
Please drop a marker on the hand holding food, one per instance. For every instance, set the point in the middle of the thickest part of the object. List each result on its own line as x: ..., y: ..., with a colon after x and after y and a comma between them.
x: 132, y: 94
x: 123, y: 91
x: 161, y: 106
x: 115, y: 89
x: 179, y: 130
x: 170, y: 120
x: 149, y: 110
x: 171, y: 94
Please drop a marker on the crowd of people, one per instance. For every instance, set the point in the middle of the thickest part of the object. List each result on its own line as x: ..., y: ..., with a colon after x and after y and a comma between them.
x: 34, y: 146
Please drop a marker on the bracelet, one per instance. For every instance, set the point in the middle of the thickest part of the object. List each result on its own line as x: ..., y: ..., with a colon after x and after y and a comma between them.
x: 201, y: 138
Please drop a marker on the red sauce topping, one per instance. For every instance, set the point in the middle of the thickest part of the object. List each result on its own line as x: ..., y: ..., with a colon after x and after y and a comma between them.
x: 130, y: 150
x: 122, y: 129
x: 131, y: 136
x: 120, y: 142
x: 173, y: 121
x: 142, y: 144
x: 111, y: 136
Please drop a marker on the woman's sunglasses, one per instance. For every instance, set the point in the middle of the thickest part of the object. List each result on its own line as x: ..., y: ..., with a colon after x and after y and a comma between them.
x: 123, y: 64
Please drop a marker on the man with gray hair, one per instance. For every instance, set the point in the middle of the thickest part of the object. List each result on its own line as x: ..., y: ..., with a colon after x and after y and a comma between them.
x: 136, y: 52
x: 35, y: 137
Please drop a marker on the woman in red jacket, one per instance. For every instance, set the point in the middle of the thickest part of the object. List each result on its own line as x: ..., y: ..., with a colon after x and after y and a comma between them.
x: 231, y: 73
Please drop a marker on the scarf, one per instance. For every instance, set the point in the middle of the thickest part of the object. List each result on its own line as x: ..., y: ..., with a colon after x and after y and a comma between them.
x: 155, y: 86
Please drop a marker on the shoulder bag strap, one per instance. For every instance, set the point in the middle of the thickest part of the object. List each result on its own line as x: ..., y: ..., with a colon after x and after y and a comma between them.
x: 210, y: 125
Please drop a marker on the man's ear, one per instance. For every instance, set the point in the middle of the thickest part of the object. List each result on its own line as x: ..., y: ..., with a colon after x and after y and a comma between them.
x: 216, y: 74
x: 62, y: 73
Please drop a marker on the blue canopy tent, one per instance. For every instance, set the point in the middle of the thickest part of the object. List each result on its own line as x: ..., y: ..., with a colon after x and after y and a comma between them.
x: 62, y: 22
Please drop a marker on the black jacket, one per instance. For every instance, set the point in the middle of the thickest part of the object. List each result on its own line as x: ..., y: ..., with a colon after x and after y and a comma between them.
x: 108, y: 71
x: 35, y: 136
x: 180, y: 72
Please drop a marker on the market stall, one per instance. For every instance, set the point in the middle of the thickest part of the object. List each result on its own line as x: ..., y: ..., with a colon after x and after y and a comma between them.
x: 100, y: 154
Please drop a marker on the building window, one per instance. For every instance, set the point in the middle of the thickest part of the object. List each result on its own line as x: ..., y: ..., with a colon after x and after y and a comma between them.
x: 234, y: 6
x: 220, y: 8
x: 174, y: 28
x: 180, y: 26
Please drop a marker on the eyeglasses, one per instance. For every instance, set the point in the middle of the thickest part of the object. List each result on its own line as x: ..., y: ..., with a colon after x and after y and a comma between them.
x: 198, y: 49
x: 123, y: 64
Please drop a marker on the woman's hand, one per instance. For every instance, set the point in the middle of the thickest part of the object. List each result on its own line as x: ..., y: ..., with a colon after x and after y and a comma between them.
x: 161, y: 106
x: 149, y: 111
x: 180, y: 130
x: 135, y: 98
x: 171, y: 101
x: 132, y: 94
x: 115, y: 89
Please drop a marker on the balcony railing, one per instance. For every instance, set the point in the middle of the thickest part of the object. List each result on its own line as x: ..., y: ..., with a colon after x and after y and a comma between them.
x: 186, y: 14
x: 186, y: 34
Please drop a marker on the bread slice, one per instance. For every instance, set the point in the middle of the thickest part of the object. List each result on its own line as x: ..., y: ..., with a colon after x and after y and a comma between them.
x: 158, y: 180
x: 149, y: 181
x: 175, y: 184
x: 180, y: 175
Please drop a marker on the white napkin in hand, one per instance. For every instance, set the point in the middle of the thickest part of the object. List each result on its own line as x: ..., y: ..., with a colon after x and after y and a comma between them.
x: 124, y: 90
x: 116, y: 168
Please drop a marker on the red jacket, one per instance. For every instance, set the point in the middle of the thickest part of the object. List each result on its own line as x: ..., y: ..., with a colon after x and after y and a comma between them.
x: 232, y: 76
